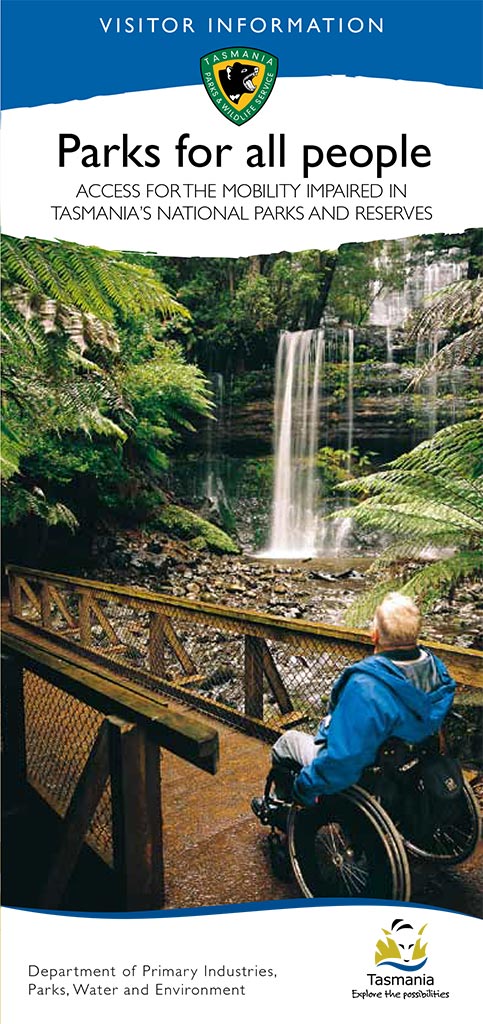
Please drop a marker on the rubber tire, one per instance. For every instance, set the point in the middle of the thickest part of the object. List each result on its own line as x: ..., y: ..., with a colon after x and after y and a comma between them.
x: 382, y: 871
x: 452, y: 856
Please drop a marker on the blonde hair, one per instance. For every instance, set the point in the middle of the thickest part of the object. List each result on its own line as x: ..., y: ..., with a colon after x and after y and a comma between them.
x: 397, y: 621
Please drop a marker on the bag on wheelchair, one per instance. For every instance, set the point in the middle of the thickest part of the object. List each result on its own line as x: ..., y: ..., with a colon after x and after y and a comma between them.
x: 419, y: 786
x: 435, y: 789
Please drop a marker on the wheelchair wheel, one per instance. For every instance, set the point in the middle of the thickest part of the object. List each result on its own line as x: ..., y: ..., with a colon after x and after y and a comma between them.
x: 348, y: 847
x: 452, y: 843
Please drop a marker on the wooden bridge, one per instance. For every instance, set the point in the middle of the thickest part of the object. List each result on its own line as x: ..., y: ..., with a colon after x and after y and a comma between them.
x: 99, y: 682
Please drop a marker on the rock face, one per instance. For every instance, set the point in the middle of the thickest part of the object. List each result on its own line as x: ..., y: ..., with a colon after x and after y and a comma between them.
x: 388, y: 417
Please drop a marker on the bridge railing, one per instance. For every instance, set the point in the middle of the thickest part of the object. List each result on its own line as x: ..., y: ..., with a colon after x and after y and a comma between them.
x: 257, y: 671
x: 85, y: 749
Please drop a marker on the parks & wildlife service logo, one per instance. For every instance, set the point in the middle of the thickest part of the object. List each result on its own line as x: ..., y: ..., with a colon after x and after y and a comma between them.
x: 239, y: 80
x: 401, y: 947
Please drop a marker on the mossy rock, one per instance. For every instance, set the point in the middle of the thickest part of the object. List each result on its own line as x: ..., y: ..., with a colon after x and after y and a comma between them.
x: 199, y: 544
x: 201, y: 534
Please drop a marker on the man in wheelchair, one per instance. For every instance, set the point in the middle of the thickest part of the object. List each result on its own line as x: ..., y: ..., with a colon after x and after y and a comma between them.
x: 347, y: 806
x: 402, y: 691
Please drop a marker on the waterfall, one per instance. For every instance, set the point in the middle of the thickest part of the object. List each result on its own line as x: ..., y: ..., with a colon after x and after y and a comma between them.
x: 389, y: 345
x: 299, y: 365
x: 213, y: 485
x: 392, y: 308
x: 425, y: 350
x: 350, y: 395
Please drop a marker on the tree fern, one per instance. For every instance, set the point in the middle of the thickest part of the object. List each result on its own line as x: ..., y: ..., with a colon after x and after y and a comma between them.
x: 89, y: 279
x: 456, y: 309
x: 432, y: 495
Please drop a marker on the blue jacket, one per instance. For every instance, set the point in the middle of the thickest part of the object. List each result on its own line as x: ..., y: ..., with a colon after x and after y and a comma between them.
x: 371, y: 701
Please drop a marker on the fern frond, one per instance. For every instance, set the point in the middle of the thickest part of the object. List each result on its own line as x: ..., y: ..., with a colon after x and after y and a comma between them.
x: 425, y: 586
x: 92, y: 280
x: 459, y: 352
x: 459, y: 303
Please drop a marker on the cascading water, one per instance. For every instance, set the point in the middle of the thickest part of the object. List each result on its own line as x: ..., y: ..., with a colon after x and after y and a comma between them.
x: 350, y: 394
x: 213, y: 484
x: 300, y: 363
x: 389, y: 345
x: 392, y: 308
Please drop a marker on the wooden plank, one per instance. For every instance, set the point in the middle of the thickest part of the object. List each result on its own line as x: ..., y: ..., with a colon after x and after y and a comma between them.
x: 157, y: 661
x: 14, y: 770
x: 30, y: 594
x: 104, y: 622
x: 182, y: 655
x: 463, y: 667
x: 136, y: 816
x: 184, y: 736
x: 275, y: 680
x: 187, y: 680
x: 85, y: 799
x: 253, y: 677
x: 61, y: 605
x: 292, y: 718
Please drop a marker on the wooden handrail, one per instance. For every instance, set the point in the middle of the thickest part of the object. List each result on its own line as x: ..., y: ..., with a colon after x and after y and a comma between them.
x: 465, y: 665
x: 173, y: 730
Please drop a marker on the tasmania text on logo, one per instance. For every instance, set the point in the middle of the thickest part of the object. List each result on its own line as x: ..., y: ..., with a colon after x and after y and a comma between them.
x: 239, y: 80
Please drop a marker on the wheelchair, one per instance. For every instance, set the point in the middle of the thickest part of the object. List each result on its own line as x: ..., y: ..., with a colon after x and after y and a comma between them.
x: 358, y: 843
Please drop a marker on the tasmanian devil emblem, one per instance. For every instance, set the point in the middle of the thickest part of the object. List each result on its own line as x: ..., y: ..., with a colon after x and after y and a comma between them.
x: 236, y: 79
x: 239, y: 80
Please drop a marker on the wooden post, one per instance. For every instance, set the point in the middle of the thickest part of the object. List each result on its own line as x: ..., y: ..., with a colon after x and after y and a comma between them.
x: 14, y: 773
x: 85, y: 799
x: 136, y: 816
x: 253, y: 678
x: 15, y: 596
x: 85, y: 619
x: 157, y: 662
x: 45, y: 606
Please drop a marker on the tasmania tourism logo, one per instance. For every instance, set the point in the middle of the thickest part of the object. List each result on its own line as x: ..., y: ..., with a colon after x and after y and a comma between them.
x: 403, y: 950
x: 239, y: 81
x: 401, y: 947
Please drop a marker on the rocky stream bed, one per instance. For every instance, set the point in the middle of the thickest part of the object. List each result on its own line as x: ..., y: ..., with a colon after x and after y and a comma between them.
x: 316, y: 589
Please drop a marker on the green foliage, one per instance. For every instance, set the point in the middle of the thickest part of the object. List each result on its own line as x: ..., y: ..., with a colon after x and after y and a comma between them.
x: 92, y: 399
x: 431, y: 496
x: 198, y: 531
x: 164, y: 393
x: 19, y: 503
x: 239, y: 306
x: 89, y: 279
x: 363, y: 271
x: 335, y: 465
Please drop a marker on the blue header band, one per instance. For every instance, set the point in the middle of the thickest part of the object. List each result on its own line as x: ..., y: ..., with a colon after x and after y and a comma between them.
x: 58, y: 50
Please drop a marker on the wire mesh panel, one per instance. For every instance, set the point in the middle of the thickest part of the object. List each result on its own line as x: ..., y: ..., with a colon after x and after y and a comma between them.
x: 60, y: 732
